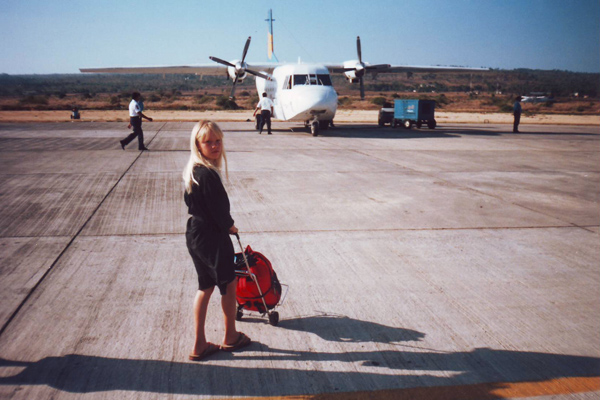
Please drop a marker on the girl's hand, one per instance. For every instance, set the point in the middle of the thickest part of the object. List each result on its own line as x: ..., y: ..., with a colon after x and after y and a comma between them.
x: 233, y: 230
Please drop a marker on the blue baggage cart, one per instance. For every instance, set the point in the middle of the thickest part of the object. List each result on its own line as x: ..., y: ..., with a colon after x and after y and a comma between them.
x: 414, y: 112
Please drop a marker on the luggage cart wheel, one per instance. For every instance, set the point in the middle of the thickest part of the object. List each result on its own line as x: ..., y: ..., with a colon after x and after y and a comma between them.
x: 239, y: 314
x: 274, y: 318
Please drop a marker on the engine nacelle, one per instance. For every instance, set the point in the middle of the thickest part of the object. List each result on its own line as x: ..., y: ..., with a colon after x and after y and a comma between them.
x: 358, y: 70
x: 239, y: 71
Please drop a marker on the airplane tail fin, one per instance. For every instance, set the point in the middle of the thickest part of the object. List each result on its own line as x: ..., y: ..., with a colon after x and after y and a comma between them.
x: 270, y: 47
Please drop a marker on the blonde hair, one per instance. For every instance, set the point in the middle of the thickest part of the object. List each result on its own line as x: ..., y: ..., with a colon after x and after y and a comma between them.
x: 200, y: 131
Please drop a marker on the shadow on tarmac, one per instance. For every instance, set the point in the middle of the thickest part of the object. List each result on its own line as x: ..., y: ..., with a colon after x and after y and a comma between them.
x: 473, y: 375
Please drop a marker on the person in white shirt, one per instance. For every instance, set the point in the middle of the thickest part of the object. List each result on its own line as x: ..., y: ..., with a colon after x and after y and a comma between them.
x: 265, y: 105
x: 135, y: 121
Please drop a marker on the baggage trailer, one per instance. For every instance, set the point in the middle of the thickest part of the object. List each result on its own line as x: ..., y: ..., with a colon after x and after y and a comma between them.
x: 414, y: 112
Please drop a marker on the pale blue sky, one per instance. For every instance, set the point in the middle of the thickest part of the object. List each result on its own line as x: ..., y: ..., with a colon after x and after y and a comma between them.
x: 61, y: 36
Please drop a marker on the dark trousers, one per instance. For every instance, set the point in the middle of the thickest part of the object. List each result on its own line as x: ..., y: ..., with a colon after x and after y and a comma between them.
x: 265, y: 116
x: 136, y: 122
x: 516, y: 123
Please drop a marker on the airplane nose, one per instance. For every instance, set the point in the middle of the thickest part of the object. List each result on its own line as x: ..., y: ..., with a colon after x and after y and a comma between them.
x: 324, y: 100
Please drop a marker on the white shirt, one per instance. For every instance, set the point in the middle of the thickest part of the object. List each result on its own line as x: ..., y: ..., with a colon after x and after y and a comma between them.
x: 265, y: 104
x: 134, y: 108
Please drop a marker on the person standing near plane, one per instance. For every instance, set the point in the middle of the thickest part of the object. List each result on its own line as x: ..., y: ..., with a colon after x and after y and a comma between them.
x: 135, y: 121
x: 207, y: 237
x: 517, y: 114
x: 265, y: 105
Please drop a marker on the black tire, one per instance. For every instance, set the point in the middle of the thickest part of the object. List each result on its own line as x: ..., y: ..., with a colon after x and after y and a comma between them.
x: 407, y: 124
x: 419, y: 124
x: 380, y: 122
x: 324, y: 124
x: 431, y: 124
x: 314, y: 128
x: 274, y: 318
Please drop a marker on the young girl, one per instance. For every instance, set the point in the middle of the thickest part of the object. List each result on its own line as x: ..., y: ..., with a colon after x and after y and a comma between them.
x: 207, y: 236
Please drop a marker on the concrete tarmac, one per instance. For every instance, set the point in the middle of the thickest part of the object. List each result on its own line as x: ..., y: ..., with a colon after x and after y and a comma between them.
x: 455, y: 263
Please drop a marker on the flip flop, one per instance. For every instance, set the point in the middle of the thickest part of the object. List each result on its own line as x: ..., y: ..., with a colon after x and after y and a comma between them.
x: 211, y: 349
x: 242, y: 341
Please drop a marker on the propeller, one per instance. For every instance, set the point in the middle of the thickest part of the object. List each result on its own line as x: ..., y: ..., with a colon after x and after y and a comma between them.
x: 240, y: 67
x: 360, y: 68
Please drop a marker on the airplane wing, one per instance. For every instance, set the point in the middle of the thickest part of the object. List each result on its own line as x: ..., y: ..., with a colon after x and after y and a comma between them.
x: 387, y: 68
x: 205, y: 69
x: 418, y: 68
x: 209, y: 69
x: 338, y: 69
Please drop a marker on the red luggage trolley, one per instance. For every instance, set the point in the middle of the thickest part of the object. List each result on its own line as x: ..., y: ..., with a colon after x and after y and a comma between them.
x: 258, y: 288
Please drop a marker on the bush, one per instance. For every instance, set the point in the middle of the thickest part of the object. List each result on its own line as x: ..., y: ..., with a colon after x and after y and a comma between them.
x: 344, y: 101
x: 379, y: 101
x: 154, y: 97
x: 226, y: 104
x: 115, y: 101
x: 34, y: 100
x: 199, y: 99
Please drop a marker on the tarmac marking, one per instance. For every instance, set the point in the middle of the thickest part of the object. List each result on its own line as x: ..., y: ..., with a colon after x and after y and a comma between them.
x: 480, y: 391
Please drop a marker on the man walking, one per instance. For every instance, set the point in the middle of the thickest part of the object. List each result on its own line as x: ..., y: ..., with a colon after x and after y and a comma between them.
x: 135, y: 121
x: 517, y: 114
x: 265, y: 105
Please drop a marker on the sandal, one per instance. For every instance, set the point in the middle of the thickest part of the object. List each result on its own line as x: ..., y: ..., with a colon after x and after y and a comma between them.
x: 210, y: 350
x: 242, y: 341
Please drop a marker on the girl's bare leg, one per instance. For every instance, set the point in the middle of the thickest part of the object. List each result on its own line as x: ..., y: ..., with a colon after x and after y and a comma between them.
x: 200, y: 311
x: 229, y: 306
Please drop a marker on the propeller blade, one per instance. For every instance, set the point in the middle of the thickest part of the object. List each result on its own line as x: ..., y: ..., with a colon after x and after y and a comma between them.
x: 216, y: 59
x: 233, y: 89
x: 362, y: 89
x: 246, y: 49
x: 261, y: 74
x: 358, y: 50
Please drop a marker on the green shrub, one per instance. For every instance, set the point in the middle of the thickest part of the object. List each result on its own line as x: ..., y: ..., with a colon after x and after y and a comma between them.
x: 200, y: 99
x: 379, y: 101
x: 226, y: 104
x: 344, y: 101
x: 34, y: 100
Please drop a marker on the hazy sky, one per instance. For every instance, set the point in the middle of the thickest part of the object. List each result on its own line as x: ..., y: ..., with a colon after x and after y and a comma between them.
x: 61, y: 36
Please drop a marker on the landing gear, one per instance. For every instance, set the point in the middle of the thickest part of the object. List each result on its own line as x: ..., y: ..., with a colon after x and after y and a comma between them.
x: 314, y: 128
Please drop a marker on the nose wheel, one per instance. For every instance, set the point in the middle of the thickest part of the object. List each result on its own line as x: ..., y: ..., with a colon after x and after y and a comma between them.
x: 314, y: 128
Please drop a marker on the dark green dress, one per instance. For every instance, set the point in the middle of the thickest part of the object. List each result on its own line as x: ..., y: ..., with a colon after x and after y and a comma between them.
x: 207, y: 233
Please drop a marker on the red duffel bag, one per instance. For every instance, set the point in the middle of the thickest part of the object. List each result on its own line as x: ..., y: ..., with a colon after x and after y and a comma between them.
x: 248, y: 294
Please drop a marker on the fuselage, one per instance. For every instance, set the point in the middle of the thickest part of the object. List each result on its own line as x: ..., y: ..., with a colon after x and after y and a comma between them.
x: 300, y: 92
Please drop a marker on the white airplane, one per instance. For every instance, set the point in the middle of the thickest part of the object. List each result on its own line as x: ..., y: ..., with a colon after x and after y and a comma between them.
x: 300, y: 92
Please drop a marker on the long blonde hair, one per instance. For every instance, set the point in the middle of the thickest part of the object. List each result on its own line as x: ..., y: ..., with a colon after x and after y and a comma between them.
x: 200, y: 131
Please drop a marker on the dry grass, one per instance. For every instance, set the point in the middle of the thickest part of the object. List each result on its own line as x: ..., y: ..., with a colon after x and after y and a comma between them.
x: 349, y: 100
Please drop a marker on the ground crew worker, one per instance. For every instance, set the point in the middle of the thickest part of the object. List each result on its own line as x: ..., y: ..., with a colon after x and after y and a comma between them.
x: 517, y: 114
x: 265, y: 105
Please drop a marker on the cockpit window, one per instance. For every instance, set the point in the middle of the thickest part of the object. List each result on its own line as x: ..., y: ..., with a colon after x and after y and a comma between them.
x: 319, y: 79
x: 324, y: 80
x: 287, y: 84
x: 300, y: 79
